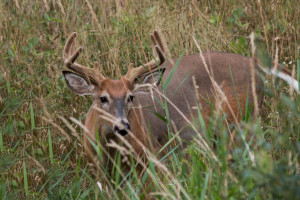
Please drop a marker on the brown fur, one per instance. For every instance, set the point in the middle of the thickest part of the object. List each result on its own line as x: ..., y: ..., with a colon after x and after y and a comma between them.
x: 116, y: 88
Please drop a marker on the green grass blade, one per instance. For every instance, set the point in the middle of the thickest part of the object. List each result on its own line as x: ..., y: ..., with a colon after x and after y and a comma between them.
x: 67, y: 156
x: 2, y: 187
x: 8, y: 87
x: 202, y: 122
x: 1, y: 142
x: 25, y: 179
x: 204, y: 189
x: 235, y: 92
x: 99, y: 153
x: 16, y: 145
x: 59, y: 180
x: 247, y: 114
x: 117, y: 176
x: 165, y: 85
x: 85, y: 193
x: 32, y: 117
x: 185, y: 78
x: 50, y: 147
x: 298, y: 69
x: 169, y: 153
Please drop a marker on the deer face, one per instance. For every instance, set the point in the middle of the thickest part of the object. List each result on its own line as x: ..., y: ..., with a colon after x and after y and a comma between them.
x: 116, y: 97
x: 113, y: 96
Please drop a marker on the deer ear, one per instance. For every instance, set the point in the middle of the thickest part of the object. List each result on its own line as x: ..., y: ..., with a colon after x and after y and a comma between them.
x: 153, y: 78
x: 78, y: 84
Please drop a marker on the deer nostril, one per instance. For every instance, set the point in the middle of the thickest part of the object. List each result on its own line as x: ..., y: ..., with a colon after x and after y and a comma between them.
x: 127, y: 126
x: 116, y: 128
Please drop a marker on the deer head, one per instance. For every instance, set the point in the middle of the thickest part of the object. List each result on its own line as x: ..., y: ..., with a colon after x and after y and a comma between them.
x: 113, y: 96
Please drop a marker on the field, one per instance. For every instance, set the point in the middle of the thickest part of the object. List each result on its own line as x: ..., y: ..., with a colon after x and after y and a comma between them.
x: 41, y: 148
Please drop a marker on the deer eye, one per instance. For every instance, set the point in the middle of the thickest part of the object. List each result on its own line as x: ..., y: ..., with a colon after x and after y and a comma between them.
x: 103, y: 99
x: 130, y: 98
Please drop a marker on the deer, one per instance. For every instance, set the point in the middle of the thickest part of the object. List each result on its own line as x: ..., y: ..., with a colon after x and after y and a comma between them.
x: 113, y: 96
x: 136, y: 111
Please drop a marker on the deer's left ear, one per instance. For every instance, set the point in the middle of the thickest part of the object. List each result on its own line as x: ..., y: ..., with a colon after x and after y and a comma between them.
x: 79, y: 84
x: 153, y: 78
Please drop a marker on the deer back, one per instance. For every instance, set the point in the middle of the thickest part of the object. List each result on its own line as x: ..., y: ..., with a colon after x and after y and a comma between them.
x: 230, y: 71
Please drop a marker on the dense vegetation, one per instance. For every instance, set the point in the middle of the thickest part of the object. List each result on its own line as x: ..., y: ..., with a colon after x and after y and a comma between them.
x: 41, y: 148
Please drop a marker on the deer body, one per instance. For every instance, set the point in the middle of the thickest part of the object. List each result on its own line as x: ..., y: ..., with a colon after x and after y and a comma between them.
x: 232, y: 72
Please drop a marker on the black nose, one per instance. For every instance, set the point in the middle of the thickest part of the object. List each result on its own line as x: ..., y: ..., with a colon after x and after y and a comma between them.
x: 122, y: 132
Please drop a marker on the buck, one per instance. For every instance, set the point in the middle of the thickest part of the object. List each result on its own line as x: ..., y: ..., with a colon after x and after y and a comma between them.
x: 136, y: 111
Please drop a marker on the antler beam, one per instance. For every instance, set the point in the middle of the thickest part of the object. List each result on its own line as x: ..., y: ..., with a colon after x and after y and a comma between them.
x: 158, y: 51
x: 69, y: 56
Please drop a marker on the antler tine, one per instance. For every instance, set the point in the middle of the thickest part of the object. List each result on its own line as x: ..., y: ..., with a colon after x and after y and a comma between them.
x: 153, y: 41
x: 156, y: 39
x: 132, y: 73
x: 72, y: 48
x: 160, y: 54
x: 70, y: 56
x: 68, y: 46
x: 96, y: 70
x: 159, y: 40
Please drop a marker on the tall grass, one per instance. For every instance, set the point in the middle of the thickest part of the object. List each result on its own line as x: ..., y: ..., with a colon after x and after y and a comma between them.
x: 41, y: 148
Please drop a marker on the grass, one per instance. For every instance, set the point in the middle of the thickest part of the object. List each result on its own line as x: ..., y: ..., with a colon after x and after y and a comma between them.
x: 42, y: 157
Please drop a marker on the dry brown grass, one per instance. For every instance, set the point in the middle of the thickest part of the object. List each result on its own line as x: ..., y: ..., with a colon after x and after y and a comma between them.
x: 116, y: 33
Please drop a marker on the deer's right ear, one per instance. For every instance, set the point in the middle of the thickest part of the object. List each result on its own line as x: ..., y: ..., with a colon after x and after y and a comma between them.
x: 78, y: 84
x: 154, y: 78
